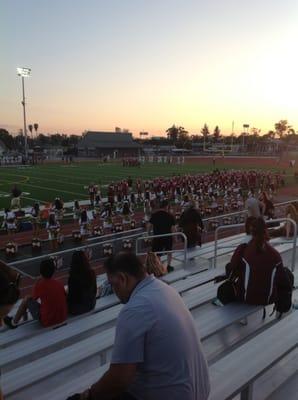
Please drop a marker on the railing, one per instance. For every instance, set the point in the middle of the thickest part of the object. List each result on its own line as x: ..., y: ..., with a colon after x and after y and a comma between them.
x: 62, y: 253
x: 123, y: 237
x: 173, y: 234
x: 279, y: 207
x: 289, y: 220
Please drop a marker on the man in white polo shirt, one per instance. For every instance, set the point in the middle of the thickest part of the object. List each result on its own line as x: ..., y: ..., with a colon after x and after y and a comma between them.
x: 157, y: 354
x: 253, y: 205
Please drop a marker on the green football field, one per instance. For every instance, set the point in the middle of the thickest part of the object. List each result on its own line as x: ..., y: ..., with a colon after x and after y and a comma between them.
x: 45, y: 182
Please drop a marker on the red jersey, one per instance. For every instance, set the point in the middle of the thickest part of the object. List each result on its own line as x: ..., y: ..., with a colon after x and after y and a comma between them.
x: 53, y: 307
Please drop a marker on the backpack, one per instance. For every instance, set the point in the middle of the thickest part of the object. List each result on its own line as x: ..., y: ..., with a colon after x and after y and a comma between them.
x: 284, y: 289
x: 258, y: 276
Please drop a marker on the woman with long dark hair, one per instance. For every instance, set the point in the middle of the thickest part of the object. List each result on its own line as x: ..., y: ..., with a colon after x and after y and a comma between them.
x: 82, y: 287
x: 255, y: 267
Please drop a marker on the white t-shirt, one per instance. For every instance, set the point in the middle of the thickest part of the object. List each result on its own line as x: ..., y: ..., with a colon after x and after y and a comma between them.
x: 156, y: 331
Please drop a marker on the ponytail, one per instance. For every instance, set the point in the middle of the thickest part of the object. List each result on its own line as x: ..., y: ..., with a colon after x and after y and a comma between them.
x: 259, y: 233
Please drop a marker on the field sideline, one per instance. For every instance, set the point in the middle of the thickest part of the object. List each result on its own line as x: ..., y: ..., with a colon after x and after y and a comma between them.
x: 45, y: 182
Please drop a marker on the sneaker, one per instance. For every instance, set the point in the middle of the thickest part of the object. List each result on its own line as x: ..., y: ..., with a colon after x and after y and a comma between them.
x: 170, y: 269
x: 8, y: 321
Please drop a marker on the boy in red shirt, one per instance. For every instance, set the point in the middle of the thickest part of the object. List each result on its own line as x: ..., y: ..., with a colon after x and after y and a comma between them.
x: 48, y: 302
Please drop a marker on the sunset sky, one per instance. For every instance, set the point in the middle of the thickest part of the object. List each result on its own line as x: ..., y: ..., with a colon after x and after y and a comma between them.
x: 147, y: 64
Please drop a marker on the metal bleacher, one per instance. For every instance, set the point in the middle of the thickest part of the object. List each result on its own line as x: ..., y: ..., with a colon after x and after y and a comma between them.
x: 38, y: 363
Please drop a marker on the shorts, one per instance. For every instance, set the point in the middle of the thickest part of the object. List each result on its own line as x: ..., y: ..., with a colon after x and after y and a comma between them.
x: 162, y: 244
x: 34, y: 309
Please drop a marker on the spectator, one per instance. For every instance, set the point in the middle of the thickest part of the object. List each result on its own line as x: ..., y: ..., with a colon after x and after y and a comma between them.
x: 267, y: 206
x: 47, y: 303
x: 286, y: 229
x: 82, y: 288
x: 157, y: 354
x: 84, y: 223
x: 9, y: 294
x: 256, y: 265
x: 253, y: 206
x: 192, y: 226
x: 163, y: 223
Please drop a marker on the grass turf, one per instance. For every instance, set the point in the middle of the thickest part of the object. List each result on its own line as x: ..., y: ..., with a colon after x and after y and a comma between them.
x: 45, y: 182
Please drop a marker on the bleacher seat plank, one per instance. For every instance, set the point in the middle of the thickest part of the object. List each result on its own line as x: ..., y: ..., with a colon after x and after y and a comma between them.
x: 33, y: 328
x: 224, y: 373
x: 195, y: 280
x: 233, y: 373
x: 26, y: 348
x: 209, y: 323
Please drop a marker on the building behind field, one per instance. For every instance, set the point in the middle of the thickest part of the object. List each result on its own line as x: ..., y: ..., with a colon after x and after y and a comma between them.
x: 114, y: 144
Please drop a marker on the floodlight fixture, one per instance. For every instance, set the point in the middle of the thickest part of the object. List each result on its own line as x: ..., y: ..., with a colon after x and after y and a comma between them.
x: 25, y: 72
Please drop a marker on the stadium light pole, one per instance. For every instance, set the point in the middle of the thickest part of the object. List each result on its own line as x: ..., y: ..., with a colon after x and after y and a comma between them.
x: 245, y: 131
x: 24, y: 73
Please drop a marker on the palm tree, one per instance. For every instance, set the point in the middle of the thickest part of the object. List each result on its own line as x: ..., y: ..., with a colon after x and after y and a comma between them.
x: 30, y: 127
x: 35, y: 128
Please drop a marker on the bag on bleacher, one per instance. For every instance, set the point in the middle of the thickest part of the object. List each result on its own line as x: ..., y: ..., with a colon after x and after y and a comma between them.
x: 284, y: 290
x: 226, y: 292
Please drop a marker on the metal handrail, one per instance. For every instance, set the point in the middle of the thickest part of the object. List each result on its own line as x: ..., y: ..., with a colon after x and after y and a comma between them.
x: 221, y: 216
x: 184, y: 250
x: 294, y: 239
x: 82, y: 247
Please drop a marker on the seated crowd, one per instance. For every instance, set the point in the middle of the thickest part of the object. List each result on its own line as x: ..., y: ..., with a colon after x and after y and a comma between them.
x: 147, y: 356
x: 212, y: 194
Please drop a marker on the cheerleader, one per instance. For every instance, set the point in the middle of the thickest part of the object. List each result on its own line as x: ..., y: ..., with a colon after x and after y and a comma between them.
x: 76, y: 210
x: 126, y: 212
x: 84, y: 223
x: 35, y: 216
x: 53, y: 228
x: 10, y: 222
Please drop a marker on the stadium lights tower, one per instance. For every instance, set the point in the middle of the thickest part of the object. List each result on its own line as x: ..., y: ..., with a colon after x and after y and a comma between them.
x: 24, y: 73
x: 245, y: 132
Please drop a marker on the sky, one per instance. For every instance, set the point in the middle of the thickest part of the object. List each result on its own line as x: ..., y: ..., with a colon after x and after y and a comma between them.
x: 149, y: 64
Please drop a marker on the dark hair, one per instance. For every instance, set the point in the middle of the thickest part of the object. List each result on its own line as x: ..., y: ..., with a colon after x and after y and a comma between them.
x: 52, y: 219
x: 125, y: 262
x: 84, y: 216
x: 259, y: 233
x: 248, y: 225
x: 80, y: 268
x: 164, y: 203
x: 58, y: 204
x: 9, y: 293
x: 126, y: 208
x: 47, y: 268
